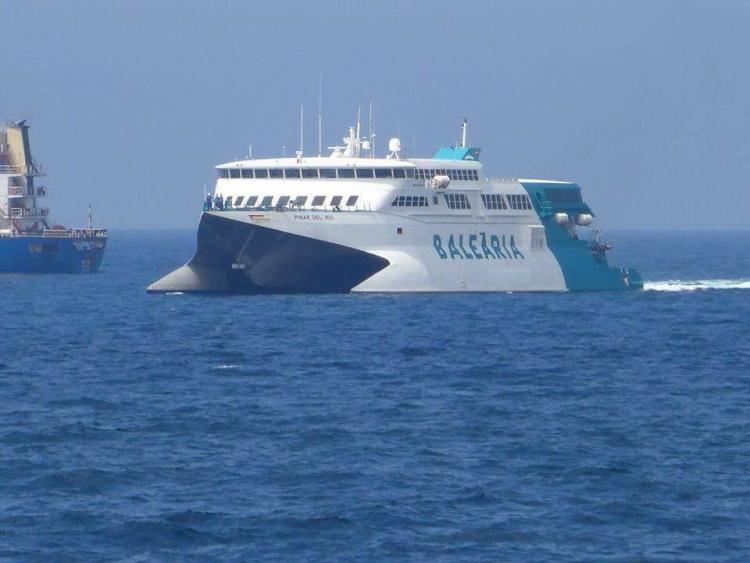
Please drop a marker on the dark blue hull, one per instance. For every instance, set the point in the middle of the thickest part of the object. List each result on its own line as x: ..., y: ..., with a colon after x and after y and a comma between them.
x: 47, y: 255
x: 237, y: 257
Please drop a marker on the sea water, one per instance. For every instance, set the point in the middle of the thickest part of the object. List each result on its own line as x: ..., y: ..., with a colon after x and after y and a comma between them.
x: 599, y: 426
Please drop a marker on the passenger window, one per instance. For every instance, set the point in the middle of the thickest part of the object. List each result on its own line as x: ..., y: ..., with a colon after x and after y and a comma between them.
x: 266, y: 201
x: 327, y: 172
x: 352, y: 200
x: 365, y: 173
x: 283, y: 201
x: 346, y: 172
x: 300, y: 200
x: 251, y: 201
x: 336, y: 200
x: 238, y: 201
x: 228, y: 202
x: 318, y: 200
x: 261, y: 173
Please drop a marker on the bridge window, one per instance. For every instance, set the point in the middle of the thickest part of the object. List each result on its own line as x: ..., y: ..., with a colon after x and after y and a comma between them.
x: 399, y: 173
x: 283, y: 201
x: 336, y: 200
x: 365, y: 173
x: 494, y: 201
x: 223, y: 173
x: 318, y: 200
x: 563, y: 195
x: 275, y: 173
x: 410, y: 173
x: 352, y: 200
x: 266, y: 201
x: 346, y: 172
x: 238, y: 201
x: 309, y: 172
x: 247, y: 172
x: 261, y: 173
x: 519, y: 202
x: 234, y: 173
x: 410, y: 201
x: 383, y: 173
x: 251, y: 201
x: 457, y: 201
x: 300, y: 201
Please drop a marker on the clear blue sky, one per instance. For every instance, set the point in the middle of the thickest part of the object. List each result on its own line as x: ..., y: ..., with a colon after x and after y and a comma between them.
x: 645, y: 103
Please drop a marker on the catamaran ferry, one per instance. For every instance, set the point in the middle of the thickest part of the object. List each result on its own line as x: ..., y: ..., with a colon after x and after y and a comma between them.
x: 351, y: 222
x: 29, y: 241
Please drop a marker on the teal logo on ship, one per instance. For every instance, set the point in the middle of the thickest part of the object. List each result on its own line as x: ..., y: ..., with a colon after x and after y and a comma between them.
x: 477, y: 247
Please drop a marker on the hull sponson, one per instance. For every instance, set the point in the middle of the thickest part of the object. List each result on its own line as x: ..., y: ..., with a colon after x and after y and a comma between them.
x: 239, y: 257
x: 46, y: 255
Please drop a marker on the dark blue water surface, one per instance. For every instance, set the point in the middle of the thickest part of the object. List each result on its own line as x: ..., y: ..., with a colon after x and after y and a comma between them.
x: 611, y: 426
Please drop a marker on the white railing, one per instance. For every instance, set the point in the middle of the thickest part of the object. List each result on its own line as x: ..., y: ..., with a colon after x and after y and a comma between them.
x: 39, y: 191
x: 30, y: 170
x: 59, y: 233
x: 34, y: 212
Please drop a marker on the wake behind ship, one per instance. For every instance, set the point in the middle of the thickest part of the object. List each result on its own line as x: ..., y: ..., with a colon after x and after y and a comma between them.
x: 29, y: 241
x: 353, y: 222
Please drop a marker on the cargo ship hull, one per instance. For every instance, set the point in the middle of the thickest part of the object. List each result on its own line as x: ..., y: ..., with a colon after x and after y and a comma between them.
x: 43, y: 255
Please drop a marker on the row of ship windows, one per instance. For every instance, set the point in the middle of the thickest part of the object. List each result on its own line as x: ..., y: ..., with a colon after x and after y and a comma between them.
x: 284, y: 201
x: 460, y: 174
x: 332, y: 173
x: 518, y: 202
x: 454, y: 201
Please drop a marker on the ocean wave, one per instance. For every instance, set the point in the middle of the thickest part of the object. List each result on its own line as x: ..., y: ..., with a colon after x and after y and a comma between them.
x: 695, y: 285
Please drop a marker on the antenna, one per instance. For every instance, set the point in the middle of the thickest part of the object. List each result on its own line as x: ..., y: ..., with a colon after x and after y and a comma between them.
x: 359, y: 112
x: 320, y: 115
x: 370, y: 134
x: 301, y: 129
x: 464, y: 127
x: 249, y: 151
x: 89, y: 216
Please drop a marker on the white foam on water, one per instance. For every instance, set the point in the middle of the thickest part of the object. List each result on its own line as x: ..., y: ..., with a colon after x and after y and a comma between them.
x: 695, y: 285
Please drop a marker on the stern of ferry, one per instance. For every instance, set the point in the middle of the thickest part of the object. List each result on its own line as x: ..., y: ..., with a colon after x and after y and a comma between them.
x: 583, y: 262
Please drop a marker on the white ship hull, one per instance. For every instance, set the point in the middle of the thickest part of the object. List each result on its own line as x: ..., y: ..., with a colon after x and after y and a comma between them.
x: 323, y: 251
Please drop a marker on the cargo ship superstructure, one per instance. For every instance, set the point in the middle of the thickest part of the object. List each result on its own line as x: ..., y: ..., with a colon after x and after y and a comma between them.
x: 351, y: 222
x: 29, y: 241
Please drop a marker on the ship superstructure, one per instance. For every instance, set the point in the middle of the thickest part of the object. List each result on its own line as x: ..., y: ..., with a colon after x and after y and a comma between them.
x: 29, y: 241
x: 353, y: 222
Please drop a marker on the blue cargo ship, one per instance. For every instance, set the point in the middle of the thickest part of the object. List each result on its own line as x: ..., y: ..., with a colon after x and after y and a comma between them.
x: 29, y: 241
